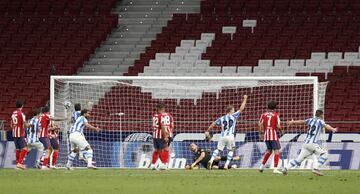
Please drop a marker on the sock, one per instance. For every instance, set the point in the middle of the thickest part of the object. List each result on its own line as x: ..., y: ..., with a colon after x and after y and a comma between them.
x: 81, y: 154
x: 162, y: 156
x: 23, y: 153
x: 229, y: 158
x: 42, y: 158
x: 46, y: 161
x: 71, y: 158
x: 17, y: 156
x: 266, y: 157
x: 215, y: 153
x: 166, y: 156
x: 292, y: 164
x: 54, y: 157
x: 322, y: 159
x: 89, y: 156
x: 276, y: 160
x: 154, y: 157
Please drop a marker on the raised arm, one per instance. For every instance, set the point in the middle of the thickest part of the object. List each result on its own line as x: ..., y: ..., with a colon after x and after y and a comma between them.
x: 242, y: 107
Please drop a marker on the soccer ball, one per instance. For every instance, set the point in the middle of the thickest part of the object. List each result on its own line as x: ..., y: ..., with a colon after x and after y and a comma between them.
x: 67, y: 104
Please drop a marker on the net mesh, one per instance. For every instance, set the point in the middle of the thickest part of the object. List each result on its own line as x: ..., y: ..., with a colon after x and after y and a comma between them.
x: 123, y: 108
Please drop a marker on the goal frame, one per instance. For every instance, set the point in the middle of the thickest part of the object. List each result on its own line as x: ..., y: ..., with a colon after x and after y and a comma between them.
x: 314, y: 79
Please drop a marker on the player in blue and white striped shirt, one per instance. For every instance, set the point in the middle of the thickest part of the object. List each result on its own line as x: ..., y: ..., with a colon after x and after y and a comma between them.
x: 78, y: 141
x: 315, y: 126
x: 76, y: 114
x: 32, y: 136
x: 227, y: 139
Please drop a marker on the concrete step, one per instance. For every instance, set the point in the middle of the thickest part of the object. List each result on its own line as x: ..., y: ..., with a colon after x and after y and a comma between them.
x: 95, y: 73
x: 105, y: 61
x: 99, y: 68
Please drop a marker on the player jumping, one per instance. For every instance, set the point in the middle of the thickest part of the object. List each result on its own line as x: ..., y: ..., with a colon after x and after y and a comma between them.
x: 32, y: 136
x: 270, y: 121
x: 162, y: 135
x: 315, y: 125
x: 18, y: 124
x: 227, y: 139
x: 77, y: 140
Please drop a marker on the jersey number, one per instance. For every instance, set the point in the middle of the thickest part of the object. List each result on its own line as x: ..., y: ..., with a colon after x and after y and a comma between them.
x: 269, y: 119
x: 14, y: 119
x: 228, y: 125
x: 312, y: 131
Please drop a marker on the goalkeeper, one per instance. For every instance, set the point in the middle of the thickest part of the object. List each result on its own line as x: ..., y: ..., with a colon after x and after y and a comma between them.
x: 201, y: 156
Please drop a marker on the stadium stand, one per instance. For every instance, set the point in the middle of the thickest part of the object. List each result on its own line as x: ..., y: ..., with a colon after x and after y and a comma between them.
x: 318, y: 38
x: 34, y: 35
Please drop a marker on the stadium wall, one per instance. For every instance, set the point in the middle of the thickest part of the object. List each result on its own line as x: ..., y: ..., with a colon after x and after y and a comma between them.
x: 342, y: 155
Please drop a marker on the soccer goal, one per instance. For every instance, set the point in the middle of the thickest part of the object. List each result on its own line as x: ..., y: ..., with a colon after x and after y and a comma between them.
x: 123, y: 106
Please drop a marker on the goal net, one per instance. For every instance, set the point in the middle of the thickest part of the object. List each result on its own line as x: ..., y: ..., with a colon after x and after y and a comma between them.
x: 123, y: 106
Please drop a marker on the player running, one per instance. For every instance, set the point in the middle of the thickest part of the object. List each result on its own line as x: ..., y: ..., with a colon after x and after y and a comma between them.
x: 227, y: 139
x: 315, y: 125
x: 202, y: 156
x: 270, y: 121
x: 162, y: 136
x: 32, y: 136
x: 77, y: 140
x: 45, y: 120
x: 18, y: 124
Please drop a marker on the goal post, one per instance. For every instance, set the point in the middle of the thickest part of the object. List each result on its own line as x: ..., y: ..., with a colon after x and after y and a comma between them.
x: 122, y: 107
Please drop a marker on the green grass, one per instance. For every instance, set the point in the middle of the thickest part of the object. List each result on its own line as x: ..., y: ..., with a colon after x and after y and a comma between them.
x: 175, y: 181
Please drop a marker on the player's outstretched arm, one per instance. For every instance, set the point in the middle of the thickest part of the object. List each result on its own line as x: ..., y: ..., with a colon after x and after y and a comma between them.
x: 330, y: 128
x: 242, y: 107
x: 296, y: 122
x: 202, y: 156
x: 89, y: 126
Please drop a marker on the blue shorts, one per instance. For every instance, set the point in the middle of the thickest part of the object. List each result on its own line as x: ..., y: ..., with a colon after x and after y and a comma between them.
x: 159, y: 144
x: 19, y: 142
x: 273, y: 145
x: 45, y: 141
x: 54, y: 142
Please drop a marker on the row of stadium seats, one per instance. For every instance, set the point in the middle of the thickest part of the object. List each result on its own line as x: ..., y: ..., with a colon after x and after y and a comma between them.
x: 44, y: 7
x: 31, y: 42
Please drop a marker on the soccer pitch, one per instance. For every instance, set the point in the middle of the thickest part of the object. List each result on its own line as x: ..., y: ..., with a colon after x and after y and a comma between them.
x: 175, y: 181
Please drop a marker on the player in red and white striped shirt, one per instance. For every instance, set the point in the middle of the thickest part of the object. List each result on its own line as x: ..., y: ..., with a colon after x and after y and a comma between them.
x: 54, y: 142
x: 162, y: 135
x: 270, y: 122
x: 18, y: 123
x: 45, y: 120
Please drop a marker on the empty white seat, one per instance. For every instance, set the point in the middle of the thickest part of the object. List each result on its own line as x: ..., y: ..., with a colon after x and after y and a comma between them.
x: 327, y: 63
x: 196, y: 50
x: 334, y: 56
x: 171, y: 63
x: 262, y: 68
x: 155, y: 63
x: 312, y: 63
x: 281, y: 63
x: 355, y: 62
x: 343, y: 62
x: 259, y: 73
x: 186, y: 64
x: 166, y: 70
x: 162, y: 56
x: 276, y: 69
x: 192, y: 56
x: 229, y: 70
x: 287, y: 73
x: 202, y: 63
x: 177, y: 56
x: 197, y: 70
x: 351, y: 55
x: 244, y: 70
x: 213, y: 70
x: 318, y: 56
x: 181, y: 71
x: 187, y: 43
x: 202, y: 44
x: 150, y: 70
x: 265, y: 63
x: 208, y: 36
x: 297, y: 63
x: 181, y: 50
x: 321, y: 69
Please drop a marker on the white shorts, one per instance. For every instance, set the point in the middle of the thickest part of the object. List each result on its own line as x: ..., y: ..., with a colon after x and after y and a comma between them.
x: 226, y: 141
x: 36, y: 145
x: 308, y: 149
x: 77, y: 140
